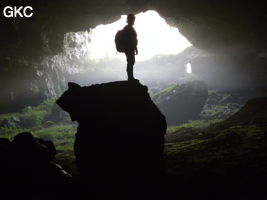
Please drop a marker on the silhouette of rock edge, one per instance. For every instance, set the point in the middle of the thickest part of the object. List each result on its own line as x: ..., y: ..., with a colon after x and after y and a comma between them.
x: 120, y: 137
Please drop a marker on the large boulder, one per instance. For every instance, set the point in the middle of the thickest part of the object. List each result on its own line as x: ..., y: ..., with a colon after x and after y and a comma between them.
x: 182, y: 102
x: 254, y: 112
x: 120, y: 136
x: 28, y: 166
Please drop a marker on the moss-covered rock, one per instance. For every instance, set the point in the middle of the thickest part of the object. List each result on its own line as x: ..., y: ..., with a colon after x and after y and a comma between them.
x: 221, y: 105
x: 181, y: 103
x: 236, y: 145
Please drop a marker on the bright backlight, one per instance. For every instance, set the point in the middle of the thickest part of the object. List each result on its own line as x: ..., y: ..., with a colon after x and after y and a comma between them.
x: 155, y: 37
x: 188, y: 68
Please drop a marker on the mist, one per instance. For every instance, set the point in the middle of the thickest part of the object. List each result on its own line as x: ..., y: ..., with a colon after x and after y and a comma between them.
x: 90, y: 57
x: 190, y: 123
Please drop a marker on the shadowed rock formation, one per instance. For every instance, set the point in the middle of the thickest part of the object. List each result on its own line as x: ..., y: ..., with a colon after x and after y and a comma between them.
x: 252, y: 113
x: 28, y: 168
x: 230, y: 157
x: 120, y: 137
x: 181, y: 103
x: 236, y: 28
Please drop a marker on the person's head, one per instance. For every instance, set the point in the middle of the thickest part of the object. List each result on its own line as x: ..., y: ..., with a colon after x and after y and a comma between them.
x: 130, y: 19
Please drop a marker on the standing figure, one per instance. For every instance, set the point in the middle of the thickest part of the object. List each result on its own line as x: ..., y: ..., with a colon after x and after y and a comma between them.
x: 126, y: 42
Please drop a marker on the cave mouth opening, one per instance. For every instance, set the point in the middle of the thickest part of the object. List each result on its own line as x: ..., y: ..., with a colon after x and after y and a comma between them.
x: 155, y: 37
x: 188, y: 68
x: 91, y: 55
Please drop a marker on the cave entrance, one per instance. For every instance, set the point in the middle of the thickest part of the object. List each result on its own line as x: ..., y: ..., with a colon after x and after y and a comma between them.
x: 188, y: 68
x: 91, y: 56
x: 155, y: 37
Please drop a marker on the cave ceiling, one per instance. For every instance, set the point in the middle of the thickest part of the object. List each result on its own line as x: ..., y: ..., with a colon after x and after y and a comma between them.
x: 233, y: 29
x: 223, y: 26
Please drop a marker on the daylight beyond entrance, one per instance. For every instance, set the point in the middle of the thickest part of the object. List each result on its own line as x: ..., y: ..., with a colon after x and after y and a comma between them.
x: 155, y: 37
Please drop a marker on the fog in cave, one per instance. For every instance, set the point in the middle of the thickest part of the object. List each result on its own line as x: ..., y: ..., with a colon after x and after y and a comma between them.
x: 193, y: 124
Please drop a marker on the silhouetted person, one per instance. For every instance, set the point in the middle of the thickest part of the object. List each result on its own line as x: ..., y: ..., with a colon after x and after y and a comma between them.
x: 131, y: 45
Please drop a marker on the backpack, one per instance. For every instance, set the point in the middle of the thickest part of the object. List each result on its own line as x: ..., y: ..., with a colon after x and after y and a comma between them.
x: 121, y: 41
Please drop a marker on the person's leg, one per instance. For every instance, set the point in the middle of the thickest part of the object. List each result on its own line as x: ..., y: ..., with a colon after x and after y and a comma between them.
x: 130, y: 63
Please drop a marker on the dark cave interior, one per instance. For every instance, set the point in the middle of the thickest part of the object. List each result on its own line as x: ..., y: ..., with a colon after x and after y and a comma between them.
x: 233, y: 31
x: 228, y: 155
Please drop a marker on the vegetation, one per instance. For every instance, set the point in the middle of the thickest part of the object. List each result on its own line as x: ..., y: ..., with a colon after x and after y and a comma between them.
x: 40, y: 121
x: 163, y: 92
x: 208, y: 144
x: 193, y: 124
x: 29, y: 117
x: 63, y: 138
x: 237, y: 146
x: 221, y: 105
x: 194, y: 129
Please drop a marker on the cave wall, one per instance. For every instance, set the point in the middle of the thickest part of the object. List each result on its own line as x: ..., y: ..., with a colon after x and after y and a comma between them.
x: 207, y: 24
x: 236, y: 28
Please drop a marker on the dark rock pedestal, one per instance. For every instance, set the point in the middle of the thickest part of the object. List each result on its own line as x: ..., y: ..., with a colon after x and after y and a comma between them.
x: 120, y: 137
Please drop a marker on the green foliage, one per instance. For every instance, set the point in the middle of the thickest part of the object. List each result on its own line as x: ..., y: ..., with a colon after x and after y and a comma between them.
x: 32, y: 118
x: 194, y: 129
x: 37, y: 121
x: 159, y: 97
x: 47, y: 104
x: 8, y: 116
x: 220, y: 105
x: 10, y: 132
x: 201, y: 143
x: 48, y: 123
x: 235, y: 146
x: 29, y: 118
x: 61, y: 135
x: 63, y: 138
x: 193, y: 124
x: 175, y: 148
